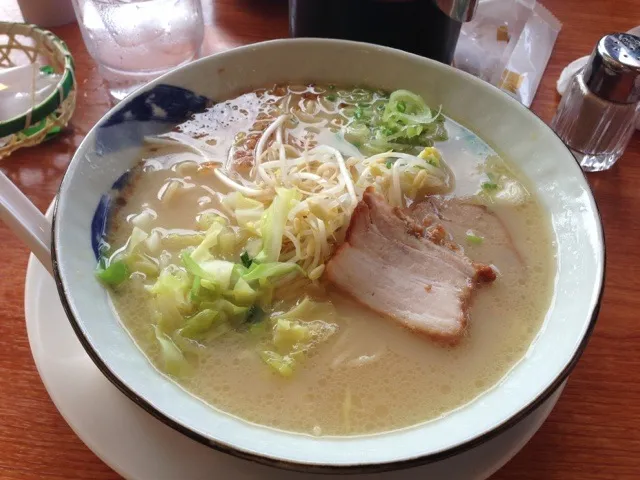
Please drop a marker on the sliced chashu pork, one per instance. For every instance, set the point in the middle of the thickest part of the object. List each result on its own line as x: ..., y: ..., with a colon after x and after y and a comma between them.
x: 385, y: 263
x: 459, y: 218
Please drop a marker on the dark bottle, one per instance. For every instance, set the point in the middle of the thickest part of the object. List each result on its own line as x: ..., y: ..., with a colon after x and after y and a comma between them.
x: 426, y: 27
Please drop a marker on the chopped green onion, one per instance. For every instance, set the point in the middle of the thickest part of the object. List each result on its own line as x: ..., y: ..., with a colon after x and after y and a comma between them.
x: 114, y: 274
x: 255, y: 314
x: 195, y: 288
x: 491, y: 184
x: 331, y: 98
x: 332, y: 87
x: 389, y: 164
x: 400, y: 123
x: 245, y: 259
x: 474, y: 239
x: 487, y: 186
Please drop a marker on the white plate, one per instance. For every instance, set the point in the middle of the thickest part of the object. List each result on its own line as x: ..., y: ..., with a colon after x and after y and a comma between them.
x: 138, y: 446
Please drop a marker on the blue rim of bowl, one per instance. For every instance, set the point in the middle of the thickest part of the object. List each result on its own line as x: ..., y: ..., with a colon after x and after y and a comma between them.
x: 356, y: 468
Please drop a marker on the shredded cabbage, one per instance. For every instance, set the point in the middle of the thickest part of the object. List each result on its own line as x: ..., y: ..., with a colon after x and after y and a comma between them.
x: 501, y: 184
x: 174, y: 362
x: 173, y: 240
x: 202, y: 251
x: 281, y: 364
x: 311, y: 310
x: 264, y: 271
x: 129, y: 258
x: 222, y: 305
x: 301, y: 310
x: 272, y: 224
x: 218, y: 272
x: 168, y: 316
x: 206, y: 219
x: 291, y: 337
x: 172, y: 285
x: 243, y: 293
x: 116, y: 273
x: 227, y: 242
x: 200, y: 323
x: 247, y: 211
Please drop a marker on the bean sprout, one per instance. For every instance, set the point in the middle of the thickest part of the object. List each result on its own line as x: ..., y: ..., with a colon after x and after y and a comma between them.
x: 328, y: 187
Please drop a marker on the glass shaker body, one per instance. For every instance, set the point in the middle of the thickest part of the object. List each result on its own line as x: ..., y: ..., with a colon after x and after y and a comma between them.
x: 596, y: 130
x: 597, y: 115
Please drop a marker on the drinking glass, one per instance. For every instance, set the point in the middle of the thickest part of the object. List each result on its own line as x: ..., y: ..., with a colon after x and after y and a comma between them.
x: 134, y: 41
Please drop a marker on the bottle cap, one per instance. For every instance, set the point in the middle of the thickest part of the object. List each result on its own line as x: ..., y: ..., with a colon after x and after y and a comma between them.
x: 613, y: 69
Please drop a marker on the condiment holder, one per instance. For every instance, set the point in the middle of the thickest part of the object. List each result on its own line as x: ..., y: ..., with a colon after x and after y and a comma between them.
x: 27, y: 51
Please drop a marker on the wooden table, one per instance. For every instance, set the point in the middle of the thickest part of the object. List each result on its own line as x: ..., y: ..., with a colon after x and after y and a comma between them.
x: 594, y: 432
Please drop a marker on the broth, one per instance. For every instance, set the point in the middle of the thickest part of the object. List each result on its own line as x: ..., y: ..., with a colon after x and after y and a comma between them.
x: 372, y: 375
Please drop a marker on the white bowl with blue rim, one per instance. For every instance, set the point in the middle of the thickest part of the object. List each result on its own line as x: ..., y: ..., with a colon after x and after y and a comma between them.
x: 99, y: 168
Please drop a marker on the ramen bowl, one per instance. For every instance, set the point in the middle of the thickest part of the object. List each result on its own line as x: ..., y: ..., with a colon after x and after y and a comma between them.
x: 112, y: 147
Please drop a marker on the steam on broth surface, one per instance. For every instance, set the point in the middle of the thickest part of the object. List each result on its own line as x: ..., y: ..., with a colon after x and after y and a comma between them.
x: 287, y: 349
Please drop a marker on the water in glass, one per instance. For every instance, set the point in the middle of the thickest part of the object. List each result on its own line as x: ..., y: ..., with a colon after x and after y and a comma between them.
x: 134, y: 41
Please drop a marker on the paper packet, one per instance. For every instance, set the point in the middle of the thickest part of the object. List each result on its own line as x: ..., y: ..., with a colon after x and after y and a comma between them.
x: 508, y: 44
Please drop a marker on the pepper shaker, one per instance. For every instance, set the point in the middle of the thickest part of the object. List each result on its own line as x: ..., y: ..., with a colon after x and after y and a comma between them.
x: 597, y: 115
